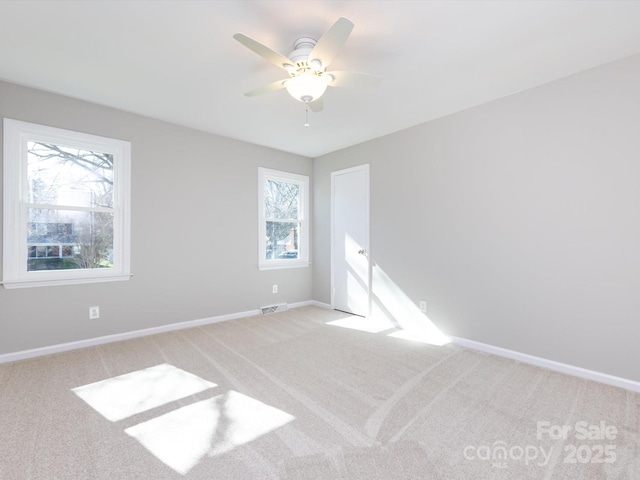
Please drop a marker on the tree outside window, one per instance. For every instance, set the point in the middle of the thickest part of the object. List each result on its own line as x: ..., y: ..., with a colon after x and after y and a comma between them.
x: 70, y: 193
x: 283, y: 219
x: 66, y: 214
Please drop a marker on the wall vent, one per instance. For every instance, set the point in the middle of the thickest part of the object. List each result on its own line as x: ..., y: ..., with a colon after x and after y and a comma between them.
x: 274, y: 308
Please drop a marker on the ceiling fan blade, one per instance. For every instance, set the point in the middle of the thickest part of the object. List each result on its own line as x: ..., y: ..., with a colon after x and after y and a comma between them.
x: 272, y: 87
x: 354, y: 80
x: 274, y: 57
x: 317, y: 105
x: 331, y: 42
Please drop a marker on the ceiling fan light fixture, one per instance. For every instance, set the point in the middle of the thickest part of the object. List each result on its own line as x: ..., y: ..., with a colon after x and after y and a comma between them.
x: 307, y: 66
x: 307, y: 86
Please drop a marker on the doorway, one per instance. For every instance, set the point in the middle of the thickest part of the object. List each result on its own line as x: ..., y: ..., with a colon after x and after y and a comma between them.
x: 350, y: 259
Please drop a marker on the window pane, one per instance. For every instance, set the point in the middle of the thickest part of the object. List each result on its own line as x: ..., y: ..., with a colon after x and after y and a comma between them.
x: 282, y: 240
x: 61, y: 240
x: 281, y: 200
x: 59, y: 175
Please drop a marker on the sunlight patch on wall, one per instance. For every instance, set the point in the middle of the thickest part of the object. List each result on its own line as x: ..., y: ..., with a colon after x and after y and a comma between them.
x: 120, y: 397
x: 390, y: 300
x: 210, y: 427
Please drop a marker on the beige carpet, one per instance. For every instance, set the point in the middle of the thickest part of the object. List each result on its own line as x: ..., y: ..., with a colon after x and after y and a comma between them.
x: 293, y: 396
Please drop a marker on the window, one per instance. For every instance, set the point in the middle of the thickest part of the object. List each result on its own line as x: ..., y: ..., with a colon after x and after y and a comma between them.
x: 284, y: 219
x: 66, y: 207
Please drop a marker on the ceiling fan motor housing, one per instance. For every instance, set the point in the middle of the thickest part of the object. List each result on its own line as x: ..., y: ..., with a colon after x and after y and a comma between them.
x: 300, y: 55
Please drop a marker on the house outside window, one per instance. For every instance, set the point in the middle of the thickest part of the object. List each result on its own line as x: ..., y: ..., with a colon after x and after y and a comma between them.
x: 283, y: 219
x: 66, y: 210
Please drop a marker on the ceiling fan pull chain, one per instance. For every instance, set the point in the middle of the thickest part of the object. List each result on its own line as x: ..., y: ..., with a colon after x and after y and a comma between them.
x: 306, y: 114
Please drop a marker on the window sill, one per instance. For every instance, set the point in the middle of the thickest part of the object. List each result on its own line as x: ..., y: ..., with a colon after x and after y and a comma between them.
x: 63, y: 281
x: 279, y: 266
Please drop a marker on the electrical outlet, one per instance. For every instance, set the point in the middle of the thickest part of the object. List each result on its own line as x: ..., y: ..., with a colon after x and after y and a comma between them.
x: 94, y: 313
x: 423, y: 306
x: 275, y: 289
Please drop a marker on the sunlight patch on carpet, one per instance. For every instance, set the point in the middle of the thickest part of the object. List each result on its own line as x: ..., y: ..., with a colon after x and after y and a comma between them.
x: 120, y: 397
x: 210, y: 427
x: 432, y: 338
x: 371, y: 325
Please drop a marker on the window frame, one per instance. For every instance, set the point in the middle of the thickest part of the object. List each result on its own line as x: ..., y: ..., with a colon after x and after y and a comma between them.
x: 303, y: 219
x: 17, y: 134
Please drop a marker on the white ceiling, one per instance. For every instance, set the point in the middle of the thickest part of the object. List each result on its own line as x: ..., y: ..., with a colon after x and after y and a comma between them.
x: 177, y: 60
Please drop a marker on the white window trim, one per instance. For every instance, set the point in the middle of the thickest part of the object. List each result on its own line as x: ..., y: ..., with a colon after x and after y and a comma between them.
x: 15, y: 274
x: 303, y: 250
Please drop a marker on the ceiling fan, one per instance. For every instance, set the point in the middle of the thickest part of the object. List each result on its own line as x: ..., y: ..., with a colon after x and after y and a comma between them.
x: 306, y: 65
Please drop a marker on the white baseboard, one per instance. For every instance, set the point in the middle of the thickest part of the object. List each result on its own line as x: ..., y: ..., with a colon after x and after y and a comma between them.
x: 90, y: 342
x: 311, y: 303
x: 549, y: 364
x: 502, y: 352
x: 64, y: 347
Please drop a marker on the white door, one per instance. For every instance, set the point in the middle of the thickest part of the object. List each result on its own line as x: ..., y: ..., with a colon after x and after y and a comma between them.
x: 350, y: 271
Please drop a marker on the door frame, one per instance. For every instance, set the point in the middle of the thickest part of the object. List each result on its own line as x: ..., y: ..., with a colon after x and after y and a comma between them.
x: 365, y: 167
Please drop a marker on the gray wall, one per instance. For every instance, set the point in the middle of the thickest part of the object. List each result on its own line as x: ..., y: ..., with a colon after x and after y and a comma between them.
x: 194, y: 231
x: 518, y: 220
